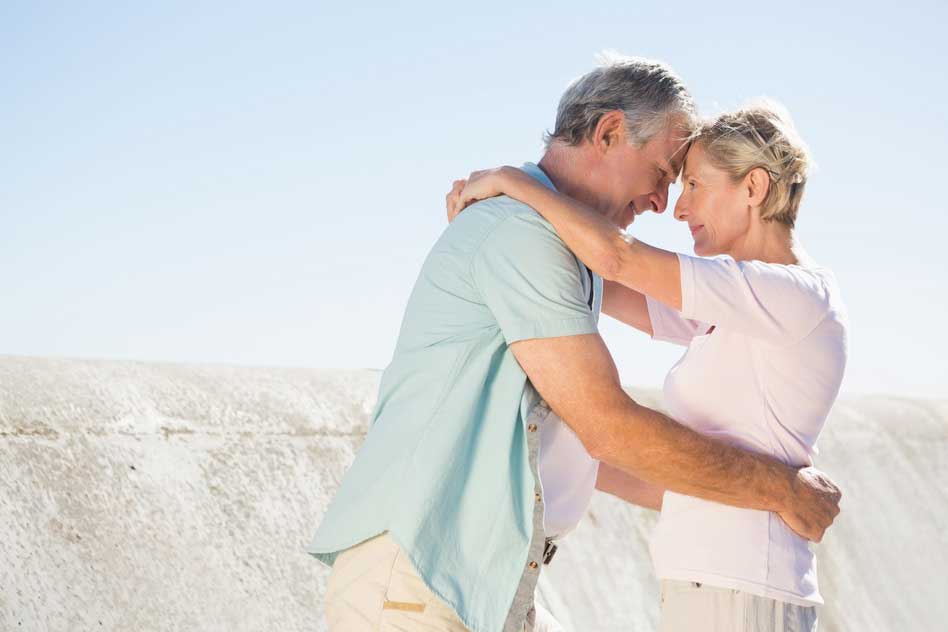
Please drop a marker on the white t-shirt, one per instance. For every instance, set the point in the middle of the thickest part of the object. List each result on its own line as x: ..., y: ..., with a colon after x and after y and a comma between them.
x: 763, y: 379
x: 567, y: 471
x: 567, y: 476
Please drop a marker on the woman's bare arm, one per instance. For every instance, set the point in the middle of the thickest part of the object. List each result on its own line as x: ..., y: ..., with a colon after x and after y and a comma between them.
x: 626, y: 305
x: 597, y: 242
x: 618, y: 301
x: 629, y: 488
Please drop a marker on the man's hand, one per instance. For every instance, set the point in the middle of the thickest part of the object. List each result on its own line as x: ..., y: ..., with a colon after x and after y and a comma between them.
x: 812, y: 505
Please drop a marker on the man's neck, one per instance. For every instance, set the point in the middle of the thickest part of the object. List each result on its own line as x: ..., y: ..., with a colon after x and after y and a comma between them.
x: 565, y: 167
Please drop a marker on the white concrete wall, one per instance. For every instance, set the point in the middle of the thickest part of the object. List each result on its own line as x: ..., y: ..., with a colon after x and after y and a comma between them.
x: 163, y: 497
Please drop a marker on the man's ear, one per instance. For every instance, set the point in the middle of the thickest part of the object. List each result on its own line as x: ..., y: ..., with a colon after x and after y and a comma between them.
x: 610, y: 131
x: 757, y: 182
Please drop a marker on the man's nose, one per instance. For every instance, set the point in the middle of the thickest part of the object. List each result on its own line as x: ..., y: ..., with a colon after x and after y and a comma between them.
x: 659, y: 199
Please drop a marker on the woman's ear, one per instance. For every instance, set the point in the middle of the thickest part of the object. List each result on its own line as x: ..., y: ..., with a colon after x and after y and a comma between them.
x: 758, y: 184
x: 610, y: 130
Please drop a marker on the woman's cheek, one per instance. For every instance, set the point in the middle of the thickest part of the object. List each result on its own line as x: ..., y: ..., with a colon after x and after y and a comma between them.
x: 707, y: 241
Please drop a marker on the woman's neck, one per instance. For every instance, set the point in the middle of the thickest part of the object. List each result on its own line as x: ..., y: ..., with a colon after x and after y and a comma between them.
x: 770, y: 242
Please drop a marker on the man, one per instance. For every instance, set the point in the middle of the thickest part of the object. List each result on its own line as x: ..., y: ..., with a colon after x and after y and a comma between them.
x: 467, y: 476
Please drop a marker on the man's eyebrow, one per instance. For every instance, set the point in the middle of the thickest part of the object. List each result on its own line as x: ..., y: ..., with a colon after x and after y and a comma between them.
x: 674, y: 170
x: 685, y: 172
x: 677, y: 168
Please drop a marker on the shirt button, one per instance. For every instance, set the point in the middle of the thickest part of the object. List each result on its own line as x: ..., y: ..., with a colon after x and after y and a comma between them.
x: 532, y: 565
x: 537, y: 496
x: 532, y: 427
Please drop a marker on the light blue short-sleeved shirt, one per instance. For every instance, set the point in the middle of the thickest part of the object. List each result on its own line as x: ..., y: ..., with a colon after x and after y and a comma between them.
x: 444, y: 468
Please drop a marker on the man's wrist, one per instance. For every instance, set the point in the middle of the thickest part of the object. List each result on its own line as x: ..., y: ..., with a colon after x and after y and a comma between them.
x: 781, y: 491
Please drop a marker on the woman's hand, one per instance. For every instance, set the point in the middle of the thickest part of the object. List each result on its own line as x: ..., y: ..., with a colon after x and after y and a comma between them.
x: 452, y: 200
x: 480, y: 185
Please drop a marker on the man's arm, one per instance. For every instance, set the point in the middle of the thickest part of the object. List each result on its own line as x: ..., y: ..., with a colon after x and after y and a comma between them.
x: 578, y: 379
x: 623, y: 485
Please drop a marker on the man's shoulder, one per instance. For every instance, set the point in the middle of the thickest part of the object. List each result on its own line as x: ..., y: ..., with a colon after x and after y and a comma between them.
x: 498, y: 236
x: 504, y: 219
x: 502, y: 215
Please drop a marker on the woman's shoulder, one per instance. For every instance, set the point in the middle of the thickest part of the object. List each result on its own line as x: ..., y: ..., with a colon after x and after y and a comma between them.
x: 778, y: 302
x: 810, y: 288
x: 804, y: 277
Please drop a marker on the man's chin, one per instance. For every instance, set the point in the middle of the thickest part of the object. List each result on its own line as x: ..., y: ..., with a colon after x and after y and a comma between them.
x: 623, y: 217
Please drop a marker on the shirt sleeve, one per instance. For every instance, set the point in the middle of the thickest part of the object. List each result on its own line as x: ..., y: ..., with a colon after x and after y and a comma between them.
x: 531, y: 282
x: 668, y: 325
x: 777, y: 303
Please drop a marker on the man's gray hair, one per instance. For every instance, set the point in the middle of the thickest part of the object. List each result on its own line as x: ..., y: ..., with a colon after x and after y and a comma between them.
x: 648, y: 91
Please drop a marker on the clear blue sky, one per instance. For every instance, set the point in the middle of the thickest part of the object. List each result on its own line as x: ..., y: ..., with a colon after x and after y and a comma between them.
x: 258, y: 183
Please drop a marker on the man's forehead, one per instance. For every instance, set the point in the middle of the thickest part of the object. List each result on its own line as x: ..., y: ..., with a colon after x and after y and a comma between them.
x: 677, y: 158
x: 676, y: 148
x: 696, y: 165
x: 678, y: 161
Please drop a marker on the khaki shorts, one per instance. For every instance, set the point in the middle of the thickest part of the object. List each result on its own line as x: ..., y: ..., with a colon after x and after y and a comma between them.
x: 693, y: 607
x: 373, y: 587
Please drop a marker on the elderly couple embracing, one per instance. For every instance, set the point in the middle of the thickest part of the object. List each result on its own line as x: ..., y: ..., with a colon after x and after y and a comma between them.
x: 502, y: 411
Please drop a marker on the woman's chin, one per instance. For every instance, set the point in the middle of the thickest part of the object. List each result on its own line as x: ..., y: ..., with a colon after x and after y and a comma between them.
x: 703, y: 247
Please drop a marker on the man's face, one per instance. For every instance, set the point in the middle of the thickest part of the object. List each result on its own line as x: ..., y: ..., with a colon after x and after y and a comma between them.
x: 631, y: 180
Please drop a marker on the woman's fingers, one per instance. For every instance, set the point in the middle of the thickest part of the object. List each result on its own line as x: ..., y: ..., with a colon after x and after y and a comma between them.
x: 480, y: 185
x: 467, y: 196
x: 452, y: 200
x: 476, y: 188
x: 458, y: 187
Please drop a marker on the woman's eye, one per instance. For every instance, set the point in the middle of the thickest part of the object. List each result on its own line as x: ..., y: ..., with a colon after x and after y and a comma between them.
x: 691, y: 184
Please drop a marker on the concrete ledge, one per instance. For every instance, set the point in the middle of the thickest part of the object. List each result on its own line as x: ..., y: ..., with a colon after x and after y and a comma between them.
x: 162, y: 497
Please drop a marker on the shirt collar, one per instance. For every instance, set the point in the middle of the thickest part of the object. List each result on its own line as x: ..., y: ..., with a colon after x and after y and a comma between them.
x: 535, y: 171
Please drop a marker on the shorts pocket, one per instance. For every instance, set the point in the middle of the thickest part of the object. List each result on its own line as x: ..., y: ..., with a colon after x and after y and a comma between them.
x: 406, y: 597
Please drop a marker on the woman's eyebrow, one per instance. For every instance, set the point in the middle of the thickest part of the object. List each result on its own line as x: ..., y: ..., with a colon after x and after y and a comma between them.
x: 685, y: 172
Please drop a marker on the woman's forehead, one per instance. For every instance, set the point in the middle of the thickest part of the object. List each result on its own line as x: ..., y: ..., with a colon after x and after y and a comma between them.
x: 697, y: 163
x: 693, y: 160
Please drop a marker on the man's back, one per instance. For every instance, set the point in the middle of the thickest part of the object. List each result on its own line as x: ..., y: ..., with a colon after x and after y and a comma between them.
x: 445, y: 468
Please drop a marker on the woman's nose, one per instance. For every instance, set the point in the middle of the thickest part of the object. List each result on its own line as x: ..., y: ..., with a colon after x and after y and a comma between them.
x: 681, y: 210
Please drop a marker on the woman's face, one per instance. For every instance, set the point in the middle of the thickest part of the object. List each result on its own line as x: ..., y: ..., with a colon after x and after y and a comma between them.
x: 715, y: 207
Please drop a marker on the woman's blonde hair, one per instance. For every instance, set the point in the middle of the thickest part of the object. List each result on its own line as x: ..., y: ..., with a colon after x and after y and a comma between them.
x: 762, y: 135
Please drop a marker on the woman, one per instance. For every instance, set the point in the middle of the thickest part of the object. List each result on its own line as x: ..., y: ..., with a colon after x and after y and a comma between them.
x: 765, y: 333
